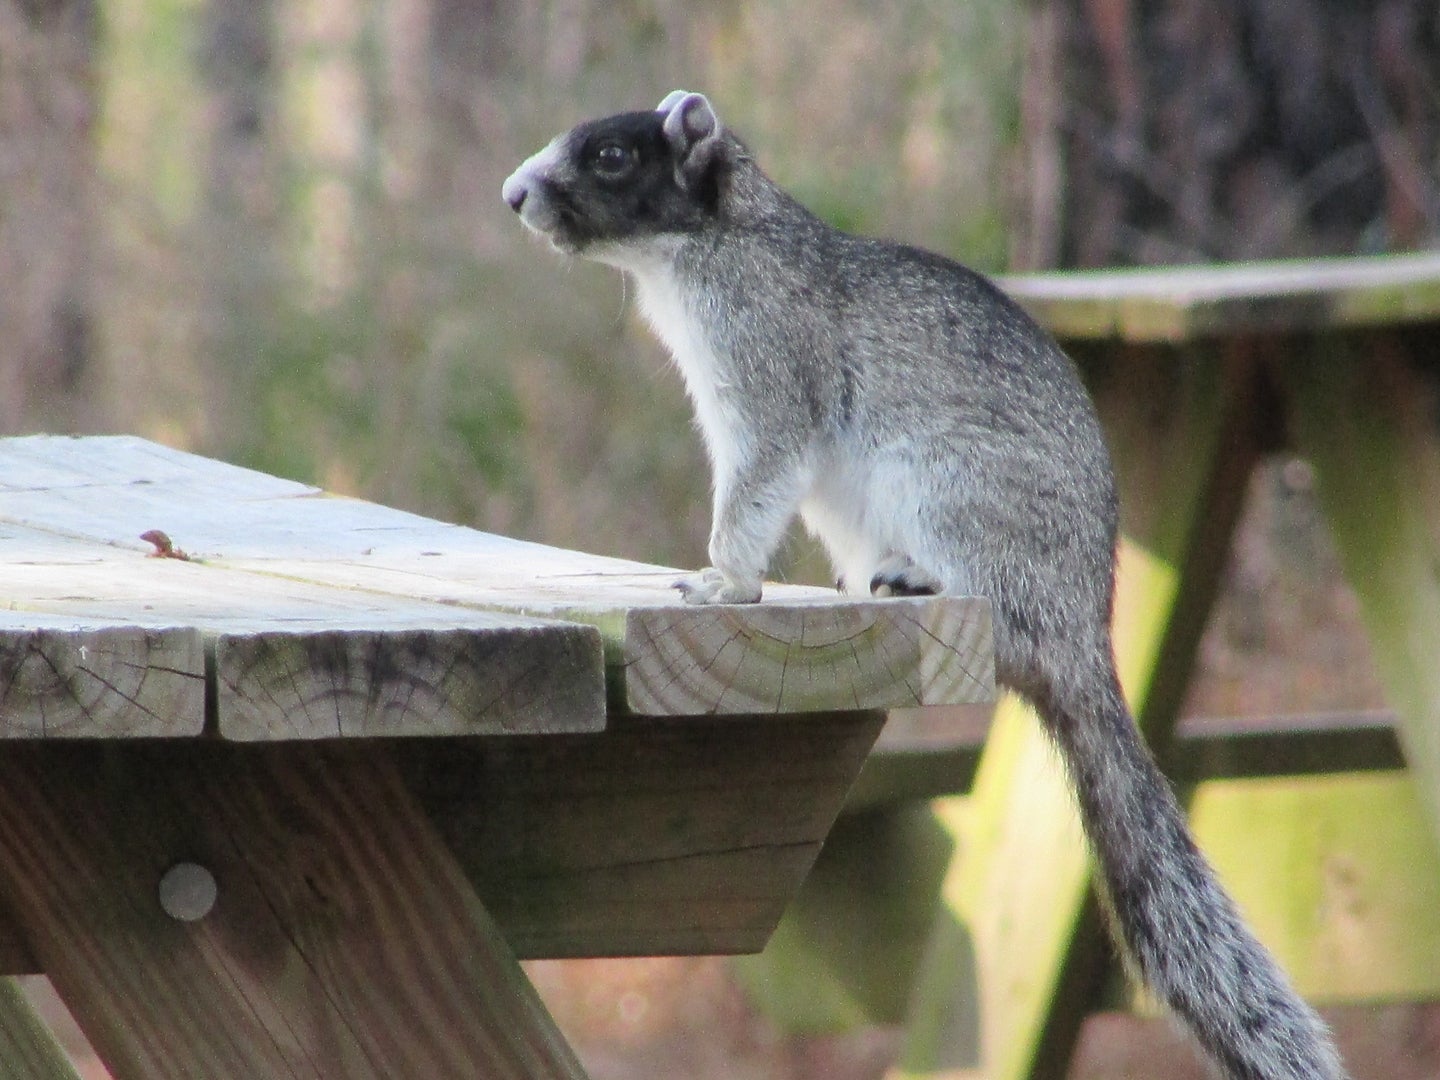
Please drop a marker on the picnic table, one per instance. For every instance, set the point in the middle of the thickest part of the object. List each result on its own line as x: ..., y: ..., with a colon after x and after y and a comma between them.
x: 1199, y: 373
x: 289, y: 781
x: 993, y: 951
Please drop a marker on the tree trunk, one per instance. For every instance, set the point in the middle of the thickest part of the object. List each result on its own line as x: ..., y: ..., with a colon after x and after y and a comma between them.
x: 47, y: 241
x: 1196, y: 130
x: 240, y: 239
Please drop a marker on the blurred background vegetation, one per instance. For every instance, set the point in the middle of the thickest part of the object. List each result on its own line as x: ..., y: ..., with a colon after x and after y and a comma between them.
x: 270, y: 231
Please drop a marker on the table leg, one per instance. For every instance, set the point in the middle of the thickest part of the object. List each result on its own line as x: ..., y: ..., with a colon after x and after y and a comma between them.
x: 27, y: 1049
x: 343, y: 941
x: 1366, y: 413
x: 1185, y: 433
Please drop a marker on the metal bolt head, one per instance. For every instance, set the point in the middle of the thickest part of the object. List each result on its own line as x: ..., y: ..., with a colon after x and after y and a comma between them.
x: 188, y: 892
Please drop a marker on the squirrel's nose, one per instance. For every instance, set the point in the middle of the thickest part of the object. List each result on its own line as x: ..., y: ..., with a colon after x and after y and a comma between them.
x: 514, y: 191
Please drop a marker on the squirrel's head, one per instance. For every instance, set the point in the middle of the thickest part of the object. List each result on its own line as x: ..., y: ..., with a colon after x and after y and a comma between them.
x: 609, y: 189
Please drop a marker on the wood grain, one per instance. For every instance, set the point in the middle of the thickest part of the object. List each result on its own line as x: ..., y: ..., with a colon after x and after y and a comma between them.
x: 15, y: 955
x: 656, y: 836
x: 1185, y: 303
x: 62, y: 677
x: 103, y: 640
x: 802, y: 649
x: 782, y: 658
x: 418, y: 681
x: 27, y: 1049
x: 345, y: 942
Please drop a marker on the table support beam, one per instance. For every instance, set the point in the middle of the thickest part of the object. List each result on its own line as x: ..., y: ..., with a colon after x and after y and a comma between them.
x: 27, y: 1049
x: 1365, y: 411
x: 343, y: 941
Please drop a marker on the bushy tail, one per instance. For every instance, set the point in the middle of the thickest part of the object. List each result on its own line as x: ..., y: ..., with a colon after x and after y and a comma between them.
x: 1181, y: 931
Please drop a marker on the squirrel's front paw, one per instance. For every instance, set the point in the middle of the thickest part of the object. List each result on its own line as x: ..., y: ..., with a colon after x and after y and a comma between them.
x: 710, y: 586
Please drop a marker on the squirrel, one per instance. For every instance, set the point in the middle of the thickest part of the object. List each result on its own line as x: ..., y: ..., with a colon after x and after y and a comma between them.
x: 934, y: 439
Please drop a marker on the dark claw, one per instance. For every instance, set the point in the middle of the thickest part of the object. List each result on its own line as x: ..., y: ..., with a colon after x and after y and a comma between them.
x: 900, y: 585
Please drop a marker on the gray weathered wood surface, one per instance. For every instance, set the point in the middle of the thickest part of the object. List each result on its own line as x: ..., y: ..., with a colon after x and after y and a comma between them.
x: 277, y: 570
x: 623, y: 775
x: 1182, y: 303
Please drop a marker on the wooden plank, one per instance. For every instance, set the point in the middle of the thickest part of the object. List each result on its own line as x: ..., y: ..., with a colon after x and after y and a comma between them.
x: 1364, y: 413
x: 15, y: 955
x: 67, y: 678
x: 1204, y: 748
x: 804, y: 649
x: 290, y: 659
x: 1182, y: 303
x: 344, y: 941
x: 87, y: 468
x: 27, y: 1049
x: 673, y: 836
x: 1230, y: 748
x: 797, y: 657
x: 1342, y: 881
x: 655, y: 836
x: 422, y: 680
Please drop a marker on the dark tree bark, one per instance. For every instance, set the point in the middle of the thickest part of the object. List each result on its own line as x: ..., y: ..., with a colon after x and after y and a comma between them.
x: 240, y: 228
x: 1183, y: 130
x: 47, y: 218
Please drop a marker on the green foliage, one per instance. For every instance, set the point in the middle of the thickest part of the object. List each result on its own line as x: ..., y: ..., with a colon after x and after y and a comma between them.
x: 337, y: 294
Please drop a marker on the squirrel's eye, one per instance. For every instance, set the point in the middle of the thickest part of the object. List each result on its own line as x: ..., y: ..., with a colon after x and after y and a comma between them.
x: 612, y: 158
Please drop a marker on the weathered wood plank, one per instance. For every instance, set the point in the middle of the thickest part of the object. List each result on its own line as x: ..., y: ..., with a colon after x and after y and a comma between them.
x: 1216, y: 748
x: 1205, y: 748
x: 86, y: 467
x: 662, y: 656
x: 1183, y: 303
x: 1339, y: 875
x: 655, y: 836
x: 61, y: 677
x: 15, y: 955
x: 27, y: 1049
x: 1365, y: 411
x: 291, y: 659
x: 673, y: 836
x: 345, y: 941
x: 425, y: 680
x: 795, y: 657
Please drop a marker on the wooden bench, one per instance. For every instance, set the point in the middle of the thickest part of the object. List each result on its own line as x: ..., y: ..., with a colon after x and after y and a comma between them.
x: 287, y: 786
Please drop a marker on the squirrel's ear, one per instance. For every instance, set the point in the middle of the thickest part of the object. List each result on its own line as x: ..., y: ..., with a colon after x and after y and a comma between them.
x: 693, y: 131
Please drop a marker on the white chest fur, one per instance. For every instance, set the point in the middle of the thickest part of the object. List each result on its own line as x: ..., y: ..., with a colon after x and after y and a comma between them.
x: 668, y: 311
